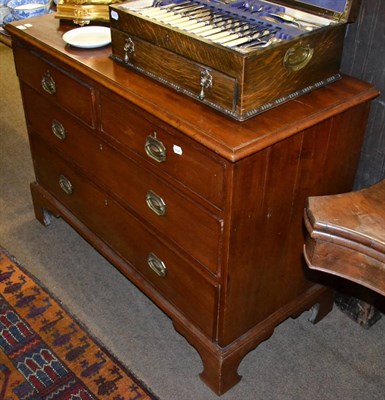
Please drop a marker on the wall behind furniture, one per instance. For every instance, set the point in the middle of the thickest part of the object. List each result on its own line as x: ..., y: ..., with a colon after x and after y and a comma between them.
x: 364, y: 58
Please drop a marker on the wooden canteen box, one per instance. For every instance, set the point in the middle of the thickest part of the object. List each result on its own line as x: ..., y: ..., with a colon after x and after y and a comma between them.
x: 288, y: 48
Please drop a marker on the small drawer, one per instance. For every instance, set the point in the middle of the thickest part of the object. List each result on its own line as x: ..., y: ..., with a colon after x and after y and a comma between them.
x: 51, y: 122
x: 67, y: 91
x: 184, y: 75
x: 176, y: 217
x: 171, y: 275
x: 165, y: 148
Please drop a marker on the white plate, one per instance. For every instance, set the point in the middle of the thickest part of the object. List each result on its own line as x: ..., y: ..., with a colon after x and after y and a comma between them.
x: 88, y: 37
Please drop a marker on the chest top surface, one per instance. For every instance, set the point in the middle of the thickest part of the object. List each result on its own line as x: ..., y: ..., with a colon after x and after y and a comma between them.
x: 232, y: 140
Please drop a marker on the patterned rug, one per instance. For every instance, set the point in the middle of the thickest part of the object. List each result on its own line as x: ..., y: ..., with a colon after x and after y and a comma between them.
x: 47, y: 355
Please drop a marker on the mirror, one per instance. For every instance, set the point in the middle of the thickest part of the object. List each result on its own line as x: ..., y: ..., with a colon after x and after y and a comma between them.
x: 332, y: 5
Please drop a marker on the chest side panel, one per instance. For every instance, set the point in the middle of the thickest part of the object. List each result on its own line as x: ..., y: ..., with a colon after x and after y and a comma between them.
x: 266, y: 270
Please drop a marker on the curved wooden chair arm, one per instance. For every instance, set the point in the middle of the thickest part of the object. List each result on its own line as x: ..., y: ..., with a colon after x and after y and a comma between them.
x: 346, y: 235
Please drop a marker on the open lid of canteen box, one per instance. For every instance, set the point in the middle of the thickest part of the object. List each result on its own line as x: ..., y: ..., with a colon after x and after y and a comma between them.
x: 337, y: 10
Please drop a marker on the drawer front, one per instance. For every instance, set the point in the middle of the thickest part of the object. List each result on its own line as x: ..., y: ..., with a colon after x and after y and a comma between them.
x: 166, y: 150
x: 52, y: 122
x: 181, y: 73
x: 170, y: 274
x: 68, y: 92
x: 176, y: 217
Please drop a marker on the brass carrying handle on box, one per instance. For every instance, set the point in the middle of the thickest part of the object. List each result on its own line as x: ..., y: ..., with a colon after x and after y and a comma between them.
x: 297, y: 57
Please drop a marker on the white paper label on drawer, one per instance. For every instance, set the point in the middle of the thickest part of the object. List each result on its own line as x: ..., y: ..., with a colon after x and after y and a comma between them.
x: 114, y: 15
x: 177, y: 150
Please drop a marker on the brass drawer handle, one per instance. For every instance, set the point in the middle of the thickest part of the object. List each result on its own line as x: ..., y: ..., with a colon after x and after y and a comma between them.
x: 129, y: 49
x: 65, y: 185
x: 58, y: 130
x: 206, y: 82
x: 48, y: 84
x: 155, y: 149
x: 157, y: 265
x: 155, y: 203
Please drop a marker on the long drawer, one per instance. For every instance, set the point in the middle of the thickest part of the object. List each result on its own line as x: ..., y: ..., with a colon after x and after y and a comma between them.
x: 74, y: 95
x: 166, y: 150
x: 177, y: 71
x: 178, y: 218
x: 170, y: 274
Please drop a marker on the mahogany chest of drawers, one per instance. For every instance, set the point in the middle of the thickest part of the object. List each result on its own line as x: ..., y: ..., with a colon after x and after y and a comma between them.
x: 202, y: 213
